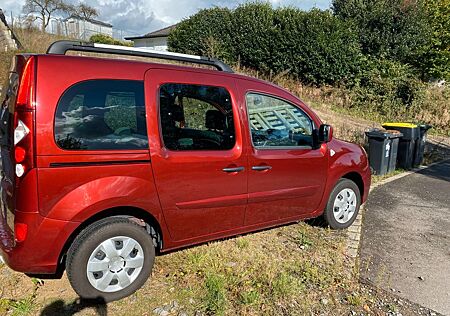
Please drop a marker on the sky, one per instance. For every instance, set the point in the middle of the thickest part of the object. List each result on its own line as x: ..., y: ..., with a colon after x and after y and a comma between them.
x: 139, y: 17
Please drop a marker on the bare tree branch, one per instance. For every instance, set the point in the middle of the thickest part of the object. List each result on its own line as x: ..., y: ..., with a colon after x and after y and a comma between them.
x: 86, y: 11
x: 45, y: 9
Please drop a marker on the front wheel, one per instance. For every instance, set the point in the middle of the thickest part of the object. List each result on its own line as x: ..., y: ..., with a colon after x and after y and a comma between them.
x: 110, y: 260
x: 343, y: 205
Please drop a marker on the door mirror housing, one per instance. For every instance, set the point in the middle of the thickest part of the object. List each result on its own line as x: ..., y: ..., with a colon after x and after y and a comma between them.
x: 325, y: 133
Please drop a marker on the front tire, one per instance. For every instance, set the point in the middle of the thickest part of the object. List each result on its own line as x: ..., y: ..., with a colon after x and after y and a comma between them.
x: 110, y: 260
x: 343, y: 205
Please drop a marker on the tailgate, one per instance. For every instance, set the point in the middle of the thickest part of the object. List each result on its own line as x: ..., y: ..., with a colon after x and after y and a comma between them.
x: 7, y: 174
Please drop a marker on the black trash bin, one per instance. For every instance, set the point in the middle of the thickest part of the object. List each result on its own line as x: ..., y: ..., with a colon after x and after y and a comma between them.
x: 407, y: 144
x: 420, y: 144
x: 382, y: 150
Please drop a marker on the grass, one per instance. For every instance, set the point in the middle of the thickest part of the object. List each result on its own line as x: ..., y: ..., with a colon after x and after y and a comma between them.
x: 376, y: 178
x: 273, y: 274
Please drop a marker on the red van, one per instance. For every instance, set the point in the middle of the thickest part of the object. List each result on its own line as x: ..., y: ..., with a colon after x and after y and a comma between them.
x: 106, y: 162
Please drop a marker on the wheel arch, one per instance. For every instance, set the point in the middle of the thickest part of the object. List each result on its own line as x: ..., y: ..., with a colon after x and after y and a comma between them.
x: 150, y: 223
x: 357, y: 179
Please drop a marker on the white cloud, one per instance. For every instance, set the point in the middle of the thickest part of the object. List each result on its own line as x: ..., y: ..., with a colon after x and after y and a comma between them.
x: 142, y: 16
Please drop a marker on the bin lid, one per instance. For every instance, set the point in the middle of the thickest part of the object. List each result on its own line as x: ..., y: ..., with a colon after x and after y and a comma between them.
x: 395, y: 124
x: 425, y: 127
x: 382, y: 133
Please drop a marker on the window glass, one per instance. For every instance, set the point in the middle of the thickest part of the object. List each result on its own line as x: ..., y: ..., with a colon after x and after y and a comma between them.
x: 196, y: 117
x: 276, y: 123
x: 102, y: 114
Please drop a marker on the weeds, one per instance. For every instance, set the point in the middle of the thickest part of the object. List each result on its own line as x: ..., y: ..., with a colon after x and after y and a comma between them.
x: 242, y: 242
x: 215, y: 299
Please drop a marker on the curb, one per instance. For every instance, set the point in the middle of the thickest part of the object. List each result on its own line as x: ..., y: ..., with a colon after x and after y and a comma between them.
x: 354, y: 231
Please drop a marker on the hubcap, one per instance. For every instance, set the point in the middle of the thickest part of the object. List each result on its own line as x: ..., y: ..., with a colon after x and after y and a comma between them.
x: 115, y: 264
x: 344, y: 206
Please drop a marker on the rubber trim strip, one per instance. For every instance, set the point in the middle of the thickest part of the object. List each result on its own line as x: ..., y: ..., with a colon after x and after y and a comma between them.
x: 96, y: 163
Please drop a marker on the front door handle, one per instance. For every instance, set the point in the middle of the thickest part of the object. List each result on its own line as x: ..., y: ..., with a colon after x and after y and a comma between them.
x: 261, y: 168
x: 234, y: 169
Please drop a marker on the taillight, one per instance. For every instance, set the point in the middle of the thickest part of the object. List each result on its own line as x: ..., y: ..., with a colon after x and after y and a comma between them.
x: 25, y: 94
x: 24, y: 120
x: 20, y: 132
x: 20, y: 154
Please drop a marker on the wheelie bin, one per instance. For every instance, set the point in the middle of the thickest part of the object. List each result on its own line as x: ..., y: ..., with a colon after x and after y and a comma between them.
x: 407, y: 144
x: 420, y: 145
x: 383, y: 147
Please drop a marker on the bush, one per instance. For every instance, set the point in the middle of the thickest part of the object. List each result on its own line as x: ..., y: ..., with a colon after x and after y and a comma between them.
x: 206, y: 33
x: 436, y: 61
x: 105, y: 39
x: 394, y: 29
x: 388, y: 88
x: 314, y: 46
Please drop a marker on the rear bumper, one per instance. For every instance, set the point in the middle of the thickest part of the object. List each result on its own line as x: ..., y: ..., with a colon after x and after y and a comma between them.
x: 40, y: 252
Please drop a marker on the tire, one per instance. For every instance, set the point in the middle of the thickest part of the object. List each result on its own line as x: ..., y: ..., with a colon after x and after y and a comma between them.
x: 121, y: 250
x: 343, y: 207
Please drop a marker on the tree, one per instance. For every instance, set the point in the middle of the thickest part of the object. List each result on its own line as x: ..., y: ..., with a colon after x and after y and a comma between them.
x: 85, y: 11
x: 45, y: 9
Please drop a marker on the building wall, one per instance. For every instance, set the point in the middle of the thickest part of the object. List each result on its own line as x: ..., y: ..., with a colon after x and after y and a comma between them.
x: 158, y: 43
x: 85, y: 29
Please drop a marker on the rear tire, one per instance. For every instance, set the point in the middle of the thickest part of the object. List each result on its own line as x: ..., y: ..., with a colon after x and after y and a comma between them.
x: 110, y: 260
x: 343, y: 204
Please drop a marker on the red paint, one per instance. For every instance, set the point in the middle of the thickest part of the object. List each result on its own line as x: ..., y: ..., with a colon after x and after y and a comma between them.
x: 185, y: 192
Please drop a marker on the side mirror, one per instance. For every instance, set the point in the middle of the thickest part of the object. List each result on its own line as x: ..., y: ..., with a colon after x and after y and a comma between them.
x: 325, y: 133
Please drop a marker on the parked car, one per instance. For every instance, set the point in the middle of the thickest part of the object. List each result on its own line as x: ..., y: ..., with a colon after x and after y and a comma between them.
x: 107, y: 162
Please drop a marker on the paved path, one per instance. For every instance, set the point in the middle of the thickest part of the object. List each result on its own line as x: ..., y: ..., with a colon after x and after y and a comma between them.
x: 406, y: 237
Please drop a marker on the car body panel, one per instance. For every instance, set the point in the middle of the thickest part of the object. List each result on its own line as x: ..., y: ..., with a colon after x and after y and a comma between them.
x: 294, y: 184
x: 197, y: 197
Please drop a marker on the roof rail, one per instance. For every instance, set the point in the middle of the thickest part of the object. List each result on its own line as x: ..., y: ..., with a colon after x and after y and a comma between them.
x: 61, y: 47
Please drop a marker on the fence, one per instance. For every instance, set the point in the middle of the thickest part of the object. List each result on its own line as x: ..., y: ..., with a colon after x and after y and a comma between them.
x: 74, y: 28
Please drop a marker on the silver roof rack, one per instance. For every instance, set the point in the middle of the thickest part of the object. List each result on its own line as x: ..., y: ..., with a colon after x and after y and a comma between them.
x: 61, y: 47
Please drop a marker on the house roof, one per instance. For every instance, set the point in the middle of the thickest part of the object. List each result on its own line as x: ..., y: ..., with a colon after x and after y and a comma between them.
x: 158, y: 33
x: 93, y: 21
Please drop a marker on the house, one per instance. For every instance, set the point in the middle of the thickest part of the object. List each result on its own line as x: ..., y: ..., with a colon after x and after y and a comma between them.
x: 84, y: 28
x: 156, y: 40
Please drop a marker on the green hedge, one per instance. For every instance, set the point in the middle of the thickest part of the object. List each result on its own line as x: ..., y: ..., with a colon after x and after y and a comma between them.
x: 314, y: 46
x: 105, y: 39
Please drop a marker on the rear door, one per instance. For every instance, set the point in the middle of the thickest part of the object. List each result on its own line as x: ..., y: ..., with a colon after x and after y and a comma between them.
x: 7, y: 203
x: 197, y: 153
x: 287, y: 174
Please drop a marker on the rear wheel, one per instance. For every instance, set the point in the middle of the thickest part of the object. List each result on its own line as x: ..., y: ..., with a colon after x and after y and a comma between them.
x: 343, y: 205
x: 110, y: 260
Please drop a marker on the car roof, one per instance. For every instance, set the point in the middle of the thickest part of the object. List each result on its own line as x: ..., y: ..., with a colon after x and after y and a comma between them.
x: 149, y: 64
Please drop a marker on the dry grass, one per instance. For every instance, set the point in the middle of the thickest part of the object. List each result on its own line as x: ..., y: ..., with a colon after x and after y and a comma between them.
x: 292, y: 270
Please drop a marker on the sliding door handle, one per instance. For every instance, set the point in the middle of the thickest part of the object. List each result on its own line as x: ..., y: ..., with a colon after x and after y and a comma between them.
x: 234, y: 169
x: 261, y: 168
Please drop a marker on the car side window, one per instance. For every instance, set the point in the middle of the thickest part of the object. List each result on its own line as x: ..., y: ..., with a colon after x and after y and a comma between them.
x: 102, y: 115
x: 277, y: 123
x: 196, y: 117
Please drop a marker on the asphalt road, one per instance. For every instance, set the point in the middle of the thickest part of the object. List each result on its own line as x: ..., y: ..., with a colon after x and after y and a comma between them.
x: 405, y: 245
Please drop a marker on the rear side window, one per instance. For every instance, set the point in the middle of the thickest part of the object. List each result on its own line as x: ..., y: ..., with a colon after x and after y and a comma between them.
x: 196, y: 117
x: 101, y: 115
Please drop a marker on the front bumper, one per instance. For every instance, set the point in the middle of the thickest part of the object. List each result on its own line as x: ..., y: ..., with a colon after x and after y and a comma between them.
x: 40, y: 252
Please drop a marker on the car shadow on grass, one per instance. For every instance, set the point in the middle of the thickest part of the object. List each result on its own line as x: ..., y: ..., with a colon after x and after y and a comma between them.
x: 60, y: 307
